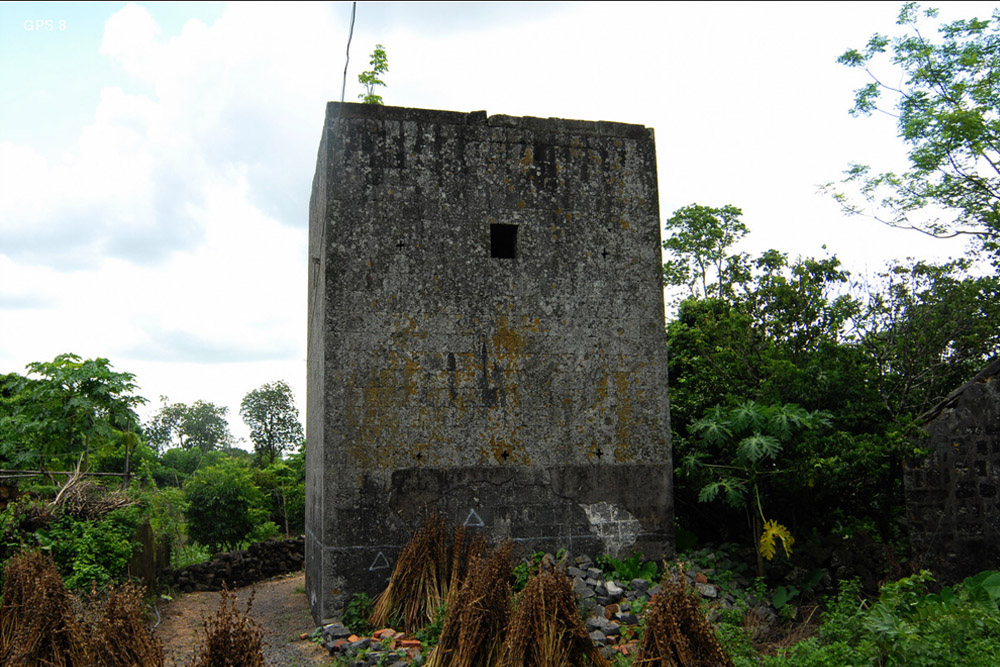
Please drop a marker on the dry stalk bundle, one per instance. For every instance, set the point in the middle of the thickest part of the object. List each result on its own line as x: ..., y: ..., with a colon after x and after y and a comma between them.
x: 232, y: 639
x: 38, y: 619
x: 473, y: 632
x: 677, y: 632
x: 41, y: 623
x: 546, y: 629
x: 424, y: 575
x: 120, y: 635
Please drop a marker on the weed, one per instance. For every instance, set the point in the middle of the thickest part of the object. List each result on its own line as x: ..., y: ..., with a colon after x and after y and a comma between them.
x: 628, y: 569
x: 356, y: 614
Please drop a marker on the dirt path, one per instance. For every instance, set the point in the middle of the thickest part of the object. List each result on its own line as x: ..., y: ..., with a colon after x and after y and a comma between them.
x: 279, y: 606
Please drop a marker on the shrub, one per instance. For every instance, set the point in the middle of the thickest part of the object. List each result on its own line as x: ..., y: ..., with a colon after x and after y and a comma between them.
x: 225, y: 505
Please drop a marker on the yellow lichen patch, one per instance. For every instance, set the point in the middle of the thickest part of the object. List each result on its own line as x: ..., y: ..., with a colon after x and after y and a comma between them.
x: 508, y: 343
x: 623, y: 452
x: 521, y: 204
x: 528, y: 158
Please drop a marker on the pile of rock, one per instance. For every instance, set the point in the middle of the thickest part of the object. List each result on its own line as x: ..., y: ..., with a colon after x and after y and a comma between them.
x: 239, y: 568
x: 615, y: 611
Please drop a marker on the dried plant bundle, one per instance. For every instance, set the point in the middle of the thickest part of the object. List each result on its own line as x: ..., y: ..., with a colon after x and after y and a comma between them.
x: 677, y: 632
x: 424, y: 575
x: 121, y: 636
x: 38, y: 622
x: 232, y: 638
x: 473, y: 632
x: 41, y: 623
x: 546, y: 629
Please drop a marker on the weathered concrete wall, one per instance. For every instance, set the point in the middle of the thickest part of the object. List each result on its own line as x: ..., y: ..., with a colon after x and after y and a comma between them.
x: 486, y: 339
x: 953, y: 497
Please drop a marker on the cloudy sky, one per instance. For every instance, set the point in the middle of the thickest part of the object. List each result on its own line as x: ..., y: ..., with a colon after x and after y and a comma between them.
x: 156, y: 158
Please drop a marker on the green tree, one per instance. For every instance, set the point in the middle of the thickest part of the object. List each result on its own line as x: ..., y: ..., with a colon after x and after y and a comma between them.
x: 927, y: 328
x: 699, y: 241
x: 224, y: 505
x: 201, y: 425
x: 69, y: 405
x: 370, y: 78
x: 284, y: 489
x: 273, y: 419
x: 946, y: 103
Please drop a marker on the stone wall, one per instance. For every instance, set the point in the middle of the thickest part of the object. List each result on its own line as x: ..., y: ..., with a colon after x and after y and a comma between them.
x: 953, y: 497
x: 238, y: 568
x: 486, y: 339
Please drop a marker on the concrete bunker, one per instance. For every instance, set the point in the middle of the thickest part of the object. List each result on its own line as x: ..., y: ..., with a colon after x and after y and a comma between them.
x: 486, y: 339
x: 953, y: 496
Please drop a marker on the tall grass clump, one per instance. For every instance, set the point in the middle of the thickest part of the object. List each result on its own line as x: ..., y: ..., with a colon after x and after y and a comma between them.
x: 232, y: 639
x: 677, y: 633
x: 546, y: 629
x: 473, y: 632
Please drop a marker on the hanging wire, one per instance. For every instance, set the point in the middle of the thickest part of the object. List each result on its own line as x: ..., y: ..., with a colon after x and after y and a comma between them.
x: 350, y: 34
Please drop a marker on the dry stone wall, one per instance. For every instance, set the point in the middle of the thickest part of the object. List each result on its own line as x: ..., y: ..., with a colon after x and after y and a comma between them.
x: 486, y: 339
x: 259, y: 561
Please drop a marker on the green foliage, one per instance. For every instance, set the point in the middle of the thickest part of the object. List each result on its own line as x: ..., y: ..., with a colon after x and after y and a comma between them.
x: 90, y: 551
x: 284, y: 491
x: 927, y: 328
x: 700, y: 237
x: 632, y: 567
x: 908, y: 626
x: 273, y: 419
x: 431, y: 633
x: 224, y: 505
x: 370, y: 78
x: 356, y: 613
x: 201, y: 425
x: 946, y: 102
x: 68, y: 407
x: 741, y: 449
x: 525, y: 569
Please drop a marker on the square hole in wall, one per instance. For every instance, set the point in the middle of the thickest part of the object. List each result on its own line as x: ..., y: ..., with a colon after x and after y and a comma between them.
x: 503, y: 241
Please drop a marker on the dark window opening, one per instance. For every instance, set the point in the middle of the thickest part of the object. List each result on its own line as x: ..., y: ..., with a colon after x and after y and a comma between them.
x: 503, y: 241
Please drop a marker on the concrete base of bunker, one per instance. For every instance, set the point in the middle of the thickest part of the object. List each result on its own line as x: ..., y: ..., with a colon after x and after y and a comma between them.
x: 539, y: 509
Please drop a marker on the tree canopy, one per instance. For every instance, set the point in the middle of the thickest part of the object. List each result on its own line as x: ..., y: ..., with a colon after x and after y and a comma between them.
x: 273, y: 419
x: 63, y: 407
x: 201, y: 425
x: 947, y: 109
